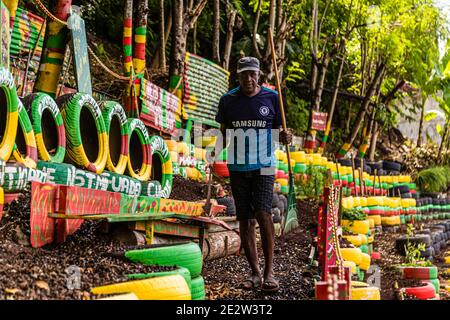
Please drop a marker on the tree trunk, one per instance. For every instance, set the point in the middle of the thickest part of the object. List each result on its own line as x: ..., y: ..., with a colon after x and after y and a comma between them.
x: 362, y: 111
x: 444, y: 138
x: 216, y: 32
x: 140, y: 36
x: 373, y: 145
x: 183, y: 22
x: 279, y: 13
x: 267, y: 60
x: 167, y: 30
x: 221, y: 244
x: 127, y: 37
x: 255, y: 31
x: 161, y: 40
x: 422, y: 118
x: 365, y: 104
x: 229, y: 40
x: 332, y: 106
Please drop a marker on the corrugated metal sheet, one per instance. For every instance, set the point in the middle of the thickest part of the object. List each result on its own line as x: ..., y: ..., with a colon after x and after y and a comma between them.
x: 159, y: 108
x: 25, y: 34
x: 204, y: 83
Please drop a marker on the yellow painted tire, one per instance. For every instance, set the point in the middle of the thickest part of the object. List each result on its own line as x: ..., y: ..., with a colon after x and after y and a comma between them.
x: 282, y: 182
x: 174, y: 156
x: 355, y: 240
x: 126, y: 296
x: 359, y: 284
x: 365, y: 262
x: 11, y: 113
x: 352, y: 266
x: 365, y: 293
x: 145, y: 170
x: 159, y: 149
x: 356, y: 226
x: 172, y: 145
x: 352, y: 254
x: 370, y: 239
x: 298, y: 156
x: 173, y: 287
x: 371, y: 223
x: 183, y: 148
x: 390, y: 221
x: 28, y: 155
x: 75, y: 120
x: 111, y: 110
x: 200, y: 154
x: 45, y: 116
x: 376, y: 219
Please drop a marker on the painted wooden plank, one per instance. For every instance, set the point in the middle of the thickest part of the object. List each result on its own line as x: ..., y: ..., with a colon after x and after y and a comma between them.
x: 176, y: 229
x: 80, y: 52
x: 42, y: 202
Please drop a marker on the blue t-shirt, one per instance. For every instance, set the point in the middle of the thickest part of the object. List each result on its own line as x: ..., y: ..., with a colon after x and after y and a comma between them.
x: 251, y: 120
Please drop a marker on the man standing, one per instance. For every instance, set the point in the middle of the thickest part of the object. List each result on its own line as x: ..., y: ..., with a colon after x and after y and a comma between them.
x: 248, y: 114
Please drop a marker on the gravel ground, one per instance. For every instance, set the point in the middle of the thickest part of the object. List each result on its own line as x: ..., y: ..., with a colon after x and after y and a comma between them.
x: 27, y: 273
x: 224, y: 276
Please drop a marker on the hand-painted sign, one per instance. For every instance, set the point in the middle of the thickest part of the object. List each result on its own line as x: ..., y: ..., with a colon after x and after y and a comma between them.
x: 80, y: 53
x: 159, y: 108
x: 319, y: 121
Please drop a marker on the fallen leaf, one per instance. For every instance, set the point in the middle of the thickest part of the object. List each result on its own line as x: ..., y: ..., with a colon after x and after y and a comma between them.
x: 42, y: 285
x: 12, y: 290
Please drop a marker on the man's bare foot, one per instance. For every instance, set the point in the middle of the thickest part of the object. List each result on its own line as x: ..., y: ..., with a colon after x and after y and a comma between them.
x: 252, y: 282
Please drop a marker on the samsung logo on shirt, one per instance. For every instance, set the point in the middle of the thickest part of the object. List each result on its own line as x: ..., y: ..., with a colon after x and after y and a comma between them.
x: 249, y: 123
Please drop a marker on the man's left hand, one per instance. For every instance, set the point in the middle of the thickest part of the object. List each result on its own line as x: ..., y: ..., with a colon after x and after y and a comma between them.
x: 286, y: 136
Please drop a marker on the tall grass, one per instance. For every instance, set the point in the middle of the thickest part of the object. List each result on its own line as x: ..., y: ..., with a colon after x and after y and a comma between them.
x: 435, y: 179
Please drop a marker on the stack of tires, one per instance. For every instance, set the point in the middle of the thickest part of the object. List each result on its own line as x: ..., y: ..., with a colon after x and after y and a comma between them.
x: 188, y: 160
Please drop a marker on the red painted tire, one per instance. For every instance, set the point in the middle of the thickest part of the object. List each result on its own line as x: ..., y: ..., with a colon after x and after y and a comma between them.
x: 279, y: 174
x: 221, y: 169
x: 423, y: 293
x: 376, y: 256
x: 421, y: 273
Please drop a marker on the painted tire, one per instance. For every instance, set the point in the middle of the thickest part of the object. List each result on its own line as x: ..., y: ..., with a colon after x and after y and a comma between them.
x: 174, y: 157
x: 181, y: 271
x: 29, y: 159
x: 112, y: 109
x: 221, y: 169
x: 365, y: 293
x: 145, y: 171
x: 125, y: 296
x: 12, y: 114
x: 71, y: 106
x: 365, y: 261
x: 172, y: 287
x: 352, y: 254
x: 198, y: 288
x: 422, y: 293
x: 436, y: 284
x: 37, y: 103
x: 187, y: 255
x: 352, y: 266
x: 172, y: 145
x: 159, y: 149
x: 357, y: 227
x: 421, y: 273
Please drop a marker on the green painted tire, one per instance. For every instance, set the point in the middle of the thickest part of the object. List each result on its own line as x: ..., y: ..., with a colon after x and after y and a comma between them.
x: 187, y: 255
x: 37, y: 103
x: 112, y: 109
x: 198, y: 288
x: 28, y: 153
x: 71, y: 106
x: 160, y: 150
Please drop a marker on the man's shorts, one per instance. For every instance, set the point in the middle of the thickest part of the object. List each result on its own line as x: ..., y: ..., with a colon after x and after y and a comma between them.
x: 252, y: 192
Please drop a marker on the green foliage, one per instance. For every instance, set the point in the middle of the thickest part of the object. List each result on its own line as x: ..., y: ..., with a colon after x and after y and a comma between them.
x: 297, y: 113
x: 353, y: 214
x: 313, y: 185
x: 435, y: 179
x: 413, y: 250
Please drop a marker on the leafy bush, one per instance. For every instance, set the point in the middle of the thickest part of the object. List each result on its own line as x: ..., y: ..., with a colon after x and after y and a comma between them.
x: 353, y: 215
x: 435, y: 179
x: 313, y: 185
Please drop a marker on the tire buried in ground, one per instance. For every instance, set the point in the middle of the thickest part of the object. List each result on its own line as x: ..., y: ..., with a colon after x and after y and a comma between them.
x: 139, y: 160
x: 117, y: 129
x: 48, y: 127
x: 25, y: 150
x: 87, y: 142
x: 9, y: 115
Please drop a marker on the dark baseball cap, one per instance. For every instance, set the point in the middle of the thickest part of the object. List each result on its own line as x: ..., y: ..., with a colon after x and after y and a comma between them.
x: 248, y: 64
